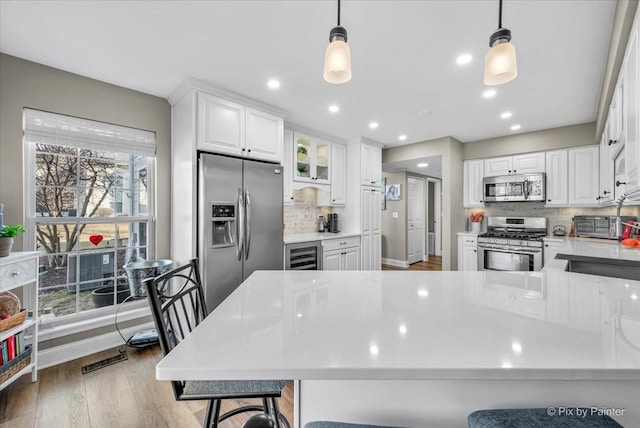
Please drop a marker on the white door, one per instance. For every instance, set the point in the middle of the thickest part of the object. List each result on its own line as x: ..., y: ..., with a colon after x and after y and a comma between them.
x: 557, y: 176
x: 528, y: 163
x: 472, y: 187
x: 351, y: 258
x: 220, y: 125
x: 498, y: 166
x: 338, y: 174
x: 263, y: 135
x: 415, y: 220
x: 583, y: 176
x: 331, y: 260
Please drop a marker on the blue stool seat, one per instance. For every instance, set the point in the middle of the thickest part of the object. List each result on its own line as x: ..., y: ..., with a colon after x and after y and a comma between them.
x: 330, y: 424
x: 539, y: 418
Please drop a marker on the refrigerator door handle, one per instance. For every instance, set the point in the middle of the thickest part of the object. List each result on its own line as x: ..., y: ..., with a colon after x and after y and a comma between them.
x: 247, y: 244
x: 240, y: 225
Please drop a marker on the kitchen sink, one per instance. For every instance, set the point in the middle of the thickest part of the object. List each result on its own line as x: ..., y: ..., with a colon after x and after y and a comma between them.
x: 613, y: 268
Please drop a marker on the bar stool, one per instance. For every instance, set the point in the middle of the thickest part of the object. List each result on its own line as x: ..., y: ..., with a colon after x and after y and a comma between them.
x: 539, y: 418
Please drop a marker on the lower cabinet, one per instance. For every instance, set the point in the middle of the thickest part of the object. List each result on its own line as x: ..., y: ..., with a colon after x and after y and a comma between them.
x: 467, y: 251
x: 341, y: 254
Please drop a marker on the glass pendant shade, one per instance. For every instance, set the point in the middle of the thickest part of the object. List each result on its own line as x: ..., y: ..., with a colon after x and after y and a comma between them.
x: 500, y: 64
x: 337, y: 62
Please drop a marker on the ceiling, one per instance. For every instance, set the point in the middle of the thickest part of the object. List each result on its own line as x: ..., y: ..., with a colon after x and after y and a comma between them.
x: 404, y: 53
x: 433, y: 168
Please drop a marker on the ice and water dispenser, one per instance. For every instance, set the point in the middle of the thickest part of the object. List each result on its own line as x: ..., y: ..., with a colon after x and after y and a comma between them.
x: 223, y: 224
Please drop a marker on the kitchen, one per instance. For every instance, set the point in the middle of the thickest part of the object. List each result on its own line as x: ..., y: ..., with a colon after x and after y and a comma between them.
x: 65, y: 90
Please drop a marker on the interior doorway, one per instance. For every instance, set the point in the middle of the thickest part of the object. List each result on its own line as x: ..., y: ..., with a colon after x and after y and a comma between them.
x: 416, y: 207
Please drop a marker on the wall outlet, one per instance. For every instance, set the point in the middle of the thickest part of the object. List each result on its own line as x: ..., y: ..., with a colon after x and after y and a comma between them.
x: 395, y: 214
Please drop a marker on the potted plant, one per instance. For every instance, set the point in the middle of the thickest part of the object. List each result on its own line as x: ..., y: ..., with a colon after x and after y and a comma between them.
x: 7, y: 235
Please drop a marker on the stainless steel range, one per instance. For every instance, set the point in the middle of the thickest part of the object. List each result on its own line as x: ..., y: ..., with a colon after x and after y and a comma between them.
x: 512, y: 244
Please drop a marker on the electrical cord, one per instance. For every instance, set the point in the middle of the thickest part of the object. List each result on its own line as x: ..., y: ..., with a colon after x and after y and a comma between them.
x: 127, y: 342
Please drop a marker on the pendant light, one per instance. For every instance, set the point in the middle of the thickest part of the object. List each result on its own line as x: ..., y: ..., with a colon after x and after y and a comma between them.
x: 500, y: 63
x: 337, y: 58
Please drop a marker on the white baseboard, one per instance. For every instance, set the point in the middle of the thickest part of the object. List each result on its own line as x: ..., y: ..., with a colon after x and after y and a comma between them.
x: 393, y: 262
x: 82, y: 348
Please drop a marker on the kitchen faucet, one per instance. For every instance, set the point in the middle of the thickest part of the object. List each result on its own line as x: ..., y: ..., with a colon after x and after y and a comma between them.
x: 618, y: 218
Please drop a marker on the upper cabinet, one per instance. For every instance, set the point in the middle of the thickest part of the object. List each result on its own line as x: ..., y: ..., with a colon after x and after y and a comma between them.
x: 606, y: 190
x: 519, y: 164
x: 583, y: 176
x: 231, y: 128
x: 312, y: 158
x: 473, y: 174
x: 371, y: 165
x: 287, y: 167
x: 557, y: 178
x: 631, y: 112
x: 338, y: 174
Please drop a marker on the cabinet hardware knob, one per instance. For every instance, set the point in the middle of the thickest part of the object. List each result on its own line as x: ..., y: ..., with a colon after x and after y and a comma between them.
x: 243, y: 150
x: 612, y: 142
x: 514, y: 171
x: 15, y: 273
x: 333, y: 200
x: 546, y: 245
x: 606, y: 192
x: 598, y: 198
x: 475, y: 251
x: 291, y: 198
x: 509, y: 171
x: 548, y: 200
x: 618, y: 183
x: 249, y: 150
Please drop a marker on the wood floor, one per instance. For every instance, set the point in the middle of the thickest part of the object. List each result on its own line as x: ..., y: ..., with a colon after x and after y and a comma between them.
x: 125, y: 394
x: 434, y: 263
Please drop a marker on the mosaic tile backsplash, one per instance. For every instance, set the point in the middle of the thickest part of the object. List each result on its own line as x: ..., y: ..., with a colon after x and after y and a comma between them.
x: 555, y: 216
x: 302, y: 215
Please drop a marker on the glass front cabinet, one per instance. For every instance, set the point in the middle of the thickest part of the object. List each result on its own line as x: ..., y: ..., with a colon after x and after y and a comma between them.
x: 311, y: 159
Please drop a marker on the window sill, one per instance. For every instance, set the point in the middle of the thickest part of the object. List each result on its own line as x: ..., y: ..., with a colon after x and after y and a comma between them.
x: 50, y: 330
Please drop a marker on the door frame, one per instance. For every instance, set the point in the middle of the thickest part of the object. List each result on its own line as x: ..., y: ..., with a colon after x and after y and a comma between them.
x: 437, y: 209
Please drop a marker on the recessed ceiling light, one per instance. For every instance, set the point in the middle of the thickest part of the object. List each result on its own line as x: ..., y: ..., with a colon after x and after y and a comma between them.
x: 464, y: 59
x: 402, y: 137
x: 334, y: 108
x: 506, y: 115
x: 273, y: 84
x: 489, y: 93
x: 515, y: 127
x: 423, y: 165
x: 373, y: 125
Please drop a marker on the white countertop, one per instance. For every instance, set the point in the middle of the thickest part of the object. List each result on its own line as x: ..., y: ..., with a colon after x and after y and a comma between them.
x: 593, y: 247
x: 317, y: 236
x: 417, y: 325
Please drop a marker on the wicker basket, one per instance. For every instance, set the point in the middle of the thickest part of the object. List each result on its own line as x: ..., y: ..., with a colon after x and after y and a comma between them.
x: 9, y: 369
x: 9, y: 303
x: 13, y: 321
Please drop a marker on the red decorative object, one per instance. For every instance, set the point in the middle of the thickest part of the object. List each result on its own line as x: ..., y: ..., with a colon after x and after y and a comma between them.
x: 96, y: 239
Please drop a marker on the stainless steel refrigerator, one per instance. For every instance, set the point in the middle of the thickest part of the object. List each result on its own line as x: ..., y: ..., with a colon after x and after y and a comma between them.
x: 240, y: 222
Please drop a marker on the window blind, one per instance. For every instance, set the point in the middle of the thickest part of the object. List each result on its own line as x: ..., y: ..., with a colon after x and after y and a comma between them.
x: 51, y: 128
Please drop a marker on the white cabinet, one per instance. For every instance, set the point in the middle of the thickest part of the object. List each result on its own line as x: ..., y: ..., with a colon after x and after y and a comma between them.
x: 371, y: 165
x: 371, y: 234
x: 519, y: 164
x: 472, y: 189
x: 231, y: 128
x: 312, y: 157
x: 19, y: 272
x: 552, y: 246
x: 557, y: 178
x: 529, y: 163
x: 616, y: 129
x: 338, y: 174
x: 287, y: 167
x: 467, y: 251
x: 498, y: 166
x: 583, y: 176
x: 341, y: 254
x: 605, y: 186
x: 631, y: 111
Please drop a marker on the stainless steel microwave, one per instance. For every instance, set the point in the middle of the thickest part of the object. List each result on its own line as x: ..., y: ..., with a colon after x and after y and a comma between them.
x: 514, y: 188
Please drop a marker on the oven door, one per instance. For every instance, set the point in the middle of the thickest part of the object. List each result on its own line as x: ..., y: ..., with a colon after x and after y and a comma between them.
x: 508, y: 258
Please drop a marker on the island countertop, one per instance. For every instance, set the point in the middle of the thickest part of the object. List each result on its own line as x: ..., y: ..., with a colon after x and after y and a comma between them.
x: 417, y: 325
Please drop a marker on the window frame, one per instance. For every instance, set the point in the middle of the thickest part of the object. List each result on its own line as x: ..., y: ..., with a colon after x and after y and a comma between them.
x: 99, y: 317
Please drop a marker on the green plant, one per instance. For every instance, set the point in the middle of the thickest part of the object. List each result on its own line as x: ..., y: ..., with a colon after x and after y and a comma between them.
x: 11, y: 231
x: 302, y: 150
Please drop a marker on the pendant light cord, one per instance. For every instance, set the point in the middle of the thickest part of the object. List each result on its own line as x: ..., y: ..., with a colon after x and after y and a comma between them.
x: 339, y: 11
x: 499, y: 14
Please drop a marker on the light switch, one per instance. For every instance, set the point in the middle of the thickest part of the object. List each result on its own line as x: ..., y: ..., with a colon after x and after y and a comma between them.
x: 395, y: 214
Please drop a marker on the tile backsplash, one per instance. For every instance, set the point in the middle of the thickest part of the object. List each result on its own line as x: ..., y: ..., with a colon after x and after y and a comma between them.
x: 555, y: 216
x: 302, y: 215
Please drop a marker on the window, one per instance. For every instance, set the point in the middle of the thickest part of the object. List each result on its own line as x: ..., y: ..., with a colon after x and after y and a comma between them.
x: 90, y: 211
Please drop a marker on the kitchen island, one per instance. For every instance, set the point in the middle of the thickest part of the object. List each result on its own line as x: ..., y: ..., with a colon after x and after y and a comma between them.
x: 425, y: 348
